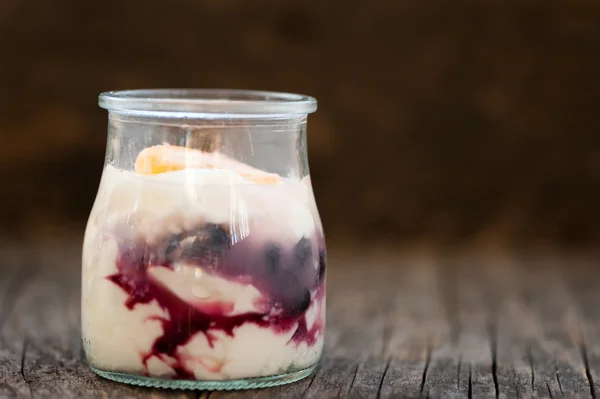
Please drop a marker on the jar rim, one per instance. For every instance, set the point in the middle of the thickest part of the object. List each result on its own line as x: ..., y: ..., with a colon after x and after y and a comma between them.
x: 189, y: 103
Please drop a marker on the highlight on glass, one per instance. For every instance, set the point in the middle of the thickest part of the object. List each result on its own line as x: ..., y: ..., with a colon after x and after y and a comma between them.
x: 204, y: 255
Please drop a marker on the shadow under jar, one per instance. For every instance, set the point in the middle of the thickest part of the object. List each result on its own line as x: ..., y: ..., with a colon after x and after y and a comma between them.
x: 204, y: 254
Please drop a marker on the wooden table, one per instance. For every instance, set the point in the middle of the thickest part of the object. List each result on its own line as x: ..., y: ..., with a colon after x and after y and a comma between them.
x: 400, y: 324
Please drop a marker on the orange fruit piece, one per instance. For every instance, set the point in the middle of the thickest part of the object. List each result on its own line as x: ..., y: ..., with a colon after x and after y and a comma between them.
x: 167, y: 158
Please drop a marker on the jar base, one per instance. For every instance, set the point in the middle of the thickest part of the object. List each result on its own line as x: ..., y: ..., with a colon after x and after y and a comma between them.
x: 216, y: 385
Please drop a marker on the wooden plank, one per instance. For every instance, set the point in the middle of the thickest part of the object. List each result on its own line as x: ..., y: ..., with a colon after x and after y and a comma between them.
x: 404, y: 378
x: 513, y: 369
x: 413, y: 323
x: 581, y: 279
x: 333, y: 378
x: 420, y: 324
x: 358, y: 303
x: 368, y: 378
x: 14, y: 277
x: 535, y: 325
x: 441, y: 378
x: 356, y: 321
x: 555, y: 353
x: 462, y: 360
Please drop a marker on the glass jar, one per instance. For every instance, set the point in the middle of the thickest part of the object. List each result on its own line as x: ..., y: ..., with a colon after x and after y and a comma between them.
x: 204, y: 254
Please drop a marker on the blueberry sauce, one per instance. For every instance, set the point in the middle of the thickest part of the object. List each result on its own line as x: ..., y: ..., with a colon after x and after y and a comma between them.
x: 286, y: 277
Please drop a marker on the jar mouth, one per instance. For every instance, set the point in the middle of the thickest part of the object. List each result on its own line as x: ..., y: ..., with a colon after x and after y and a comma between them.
x: 191, y: 103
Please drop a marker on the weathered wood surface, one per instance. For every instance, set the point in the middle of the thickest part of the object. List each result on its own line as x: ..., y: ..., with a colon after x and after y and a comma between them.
x: 410, y: 324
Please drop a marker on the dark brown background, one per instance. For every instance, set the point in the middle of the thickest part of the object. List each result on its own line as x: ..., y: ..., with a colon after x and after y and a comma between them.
x: 448, y: 121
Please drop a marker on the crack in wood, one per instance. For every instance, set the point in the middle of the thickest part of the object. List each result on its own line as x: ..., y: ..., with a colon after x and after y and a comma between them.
x: 425, y: 369
x: 311, y: 382
x: 492, y: 331
x: 458, y: 371
x: 584, y: 355
x: 530, y: 359
x: 22, y: 370
x: 339, y: 392
x: 470, y: 391
x: 549, y: 391
x: 353, y: 378
x: 559, y: 384
x: 387, y: 366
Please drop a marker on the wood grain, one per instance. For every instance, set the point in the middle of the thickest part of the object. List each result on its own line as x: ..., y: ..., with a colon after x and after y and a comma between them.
x: 418, y: 324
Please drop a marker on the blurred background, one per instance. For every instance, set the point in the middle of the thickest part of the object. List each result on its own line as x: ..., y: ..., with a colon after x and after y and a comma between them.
x: 450, y: 122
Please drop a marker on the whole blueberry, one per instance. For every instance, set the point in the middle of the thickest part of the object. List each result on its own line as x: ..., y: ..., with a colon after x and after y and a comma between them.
x: 272, y: 258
